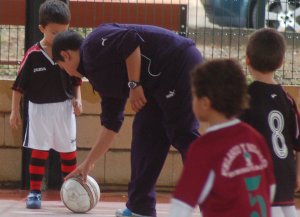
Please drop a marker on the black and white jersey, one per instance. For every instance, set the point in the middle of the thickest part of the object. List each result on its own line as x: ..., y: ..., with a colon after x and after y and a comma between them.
x: 274, y: 114
x: 42, y: 80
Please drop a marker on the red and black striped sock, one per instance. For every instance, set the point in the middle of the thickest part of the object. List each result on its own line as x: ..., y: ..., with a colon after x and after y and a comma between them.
x: 37, y: 168
x: 68, y: 162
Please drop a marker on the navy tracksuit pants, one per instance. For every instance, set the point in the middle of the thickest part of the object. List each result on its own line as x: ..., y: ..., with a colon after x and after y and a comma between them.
x: 166, y: 119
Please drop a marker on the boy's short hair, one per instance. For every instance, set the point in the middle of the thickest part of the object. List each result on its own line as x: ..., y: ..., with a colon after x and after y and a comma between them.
x: 54, y: 11
x: 266, y: 49
x: 224, y: 83
x: 68, y: 40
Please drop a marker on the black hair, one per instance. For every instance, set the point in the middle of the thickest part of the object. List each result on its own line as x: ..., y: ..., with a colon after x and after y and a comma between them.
x: 68, y: 40
x: 54, y: 11
x: 266, y: 49
x: 224, y: 83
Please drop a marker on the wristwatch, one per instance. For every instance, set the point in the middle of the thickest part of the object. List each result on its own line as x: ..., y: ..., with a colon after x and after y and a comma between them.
x: 133, y: 84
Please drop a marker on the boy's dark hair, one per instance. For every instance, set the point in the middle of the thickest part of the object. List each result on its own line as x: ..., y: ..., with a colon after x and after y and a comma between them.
x: 266, y: 49
x: 54, y: 11
x: 68, y: 40
x: 224, y: 83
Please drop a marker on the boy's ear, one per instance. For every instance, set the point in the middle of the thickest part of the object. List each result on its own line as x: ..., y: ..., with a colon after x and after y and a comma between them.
x: 41, y: 28
x: 206, y: 103
x: 65, y: 55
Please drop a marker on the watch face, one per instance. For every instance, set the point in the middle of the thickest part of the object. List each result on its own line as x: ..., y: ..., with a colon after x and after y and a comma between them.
x: 132, y: 84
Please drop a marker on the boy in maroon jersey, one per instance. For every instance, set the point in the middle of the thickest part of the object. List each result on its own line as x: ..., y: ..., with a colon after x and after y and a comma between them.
x: 274, y: 114
x: 228, y: 171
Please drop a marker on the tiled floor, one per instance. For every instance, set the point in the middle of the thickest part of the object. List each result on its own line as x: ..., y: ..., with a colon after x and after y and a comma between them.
x: 12, y: 204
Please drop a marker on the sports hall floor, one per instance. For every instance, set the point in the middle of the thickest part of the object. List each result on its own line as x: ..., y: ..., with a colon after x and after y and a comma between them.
x: 12, y: 204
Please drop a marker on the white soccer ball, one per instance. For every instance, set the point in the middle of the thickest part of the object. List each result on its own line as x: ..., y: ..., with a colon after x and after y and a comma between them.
x: 79, y: 197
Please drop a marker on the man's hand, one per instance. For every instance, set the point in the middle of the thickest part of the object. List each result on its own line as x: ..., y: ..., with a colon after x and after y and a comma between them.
x: 82, y: 170
x: 137, y: 98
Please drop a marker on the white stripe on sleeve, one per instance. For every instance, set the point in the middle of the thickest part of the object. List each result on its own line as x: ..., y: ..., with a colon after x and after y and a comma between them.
x: 272, y: 192
x: 208, y: 186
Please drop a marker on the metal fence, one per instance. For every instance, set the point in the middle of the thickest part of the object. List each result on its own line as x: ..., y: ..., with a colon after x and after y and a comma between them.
x: 219, y: 27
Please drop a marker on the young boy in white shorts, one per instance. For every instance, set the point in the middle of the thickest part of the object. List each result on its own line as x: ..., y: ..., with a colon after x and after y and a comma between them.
x: 54, y: 99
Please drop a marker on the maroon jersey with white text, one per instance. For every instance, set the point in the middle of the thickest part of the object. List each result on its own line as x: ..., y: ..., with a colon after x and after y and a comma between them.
x: 228, y: 171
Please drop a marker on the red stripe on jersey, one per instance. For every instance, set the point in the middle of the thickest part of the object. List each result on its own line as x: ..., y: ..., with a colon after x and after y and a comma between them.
x: 77, y: 81
x: 34, y: 48
x: 18, y: 89
x: 285, y: 203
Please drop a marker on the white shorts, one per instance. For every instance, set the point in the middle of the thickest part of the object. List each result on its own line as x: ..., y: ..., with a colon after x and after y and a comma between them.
x: 51, y: 126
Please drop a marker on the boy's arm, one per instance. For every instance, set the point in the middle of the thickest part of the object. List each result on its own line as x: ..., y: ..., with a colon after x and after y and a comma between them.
x: 15, y: 117
x: 77, y: 103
